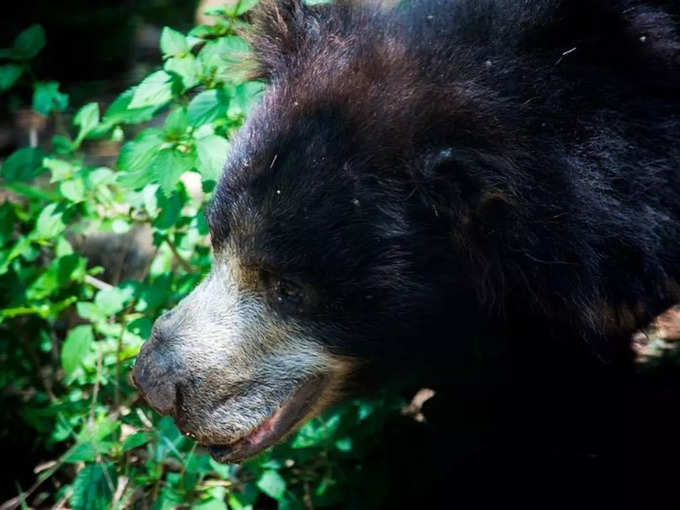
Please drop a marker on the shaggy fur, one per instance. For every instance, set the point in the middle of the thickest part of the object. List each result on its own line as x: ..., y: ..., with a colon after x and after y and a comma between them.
x: 540, y: 137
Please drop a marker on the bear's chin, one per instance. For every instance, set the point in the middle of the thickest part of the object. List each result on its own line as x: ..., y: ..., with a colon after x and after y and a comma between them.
x: 277, y: 426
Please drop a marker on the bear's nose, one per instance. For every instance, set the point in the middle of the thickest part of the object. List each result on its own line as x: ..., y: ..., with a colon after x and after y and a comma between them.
x: 156, y: 375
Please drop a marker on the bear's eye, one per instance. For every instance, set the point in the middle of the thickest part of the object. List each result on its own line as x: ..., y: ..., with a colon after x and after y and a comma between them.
x: 287, y: 291
x: 286, y: 294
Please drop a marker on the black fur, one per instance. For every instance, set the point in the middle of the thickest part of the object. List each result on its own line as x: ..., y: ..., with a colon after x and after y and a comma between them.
x: 474, y: 176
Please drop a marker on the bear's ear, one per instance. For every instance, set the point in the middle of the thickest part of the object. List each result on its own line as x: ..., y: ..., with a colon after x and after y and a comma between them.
x: 468, y: 186
x: 280, y: 29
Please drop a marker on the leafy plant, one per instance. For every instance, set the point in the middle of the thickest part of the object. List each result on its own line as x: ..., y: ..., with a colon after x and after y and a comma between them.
x: 68, y: 334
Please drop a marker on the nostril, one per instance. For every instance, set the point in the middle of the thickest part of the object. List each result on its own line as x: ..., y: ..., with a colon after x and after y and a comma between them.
x: 162, y: 397
x: 157, y: 388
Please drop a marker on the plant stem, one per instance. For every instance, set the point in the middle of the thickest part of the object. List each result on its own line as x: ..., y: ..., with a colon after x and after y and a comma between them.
x: 185, y: 265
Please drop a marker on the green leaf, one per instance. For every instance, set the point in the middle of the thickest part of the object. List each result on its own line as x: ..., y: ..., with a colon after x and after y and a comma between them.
x: 88, y: 311
x: 247, y: 94
x: 187, y: 68
x: 202, y: 32
x: 290, y: 502
x: 30, y: 192
x: 50, y: 222
x: 23, y: 165
x: 222, y: 470
x: 99, y: 176
x: 366, y: 409
x: 244, y: 499
x: 119, y: 112
x: 176, y: 123
x: 93, y: 487
x: 212, y: 153
x: 88, y: 119
x: 317, y: 431
x: 73, y: 190
x: 120, y: 226
x: 29, y: 43
x: 150, y: 198
x: 9, y: 74
x: 169, y: 165
x: 63, y: 247
x: 60, y: 169
x: 102, y: 428
x: 141, y: 327
x: 60, y: 272
x: 207, y: 106
x: 61, y: 144
x: 239, y: 8
x: 211, y: 504
x: 220, y: 56
x: 173, y: 43
x: 135, y: 180
x: 168, y: 499
x: 344, y: 444
x: 7, y: 222
x: 272, y: 484
x: 76, y: 345
x: 135, y: 441
x: 81, y: 452
x: 169, y: 212
x: 111, y: 301
x: 137, y: 154
x: 154, y: 90
x: 47, y: 98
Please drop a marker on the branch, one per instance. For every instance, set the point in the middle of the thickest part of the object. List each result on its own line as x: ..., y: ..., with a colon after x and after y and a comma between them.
x: 97, y: 283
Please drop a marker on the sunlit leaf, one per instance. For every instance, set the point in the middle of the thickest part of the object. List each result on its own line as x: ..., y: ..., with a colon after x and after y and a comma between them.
x: 272, y: 484
x: 137, y: 154
x: 76, y: 345
x: 74, y: 190
x: 113, y: 300
x: 247, y: 95
x: 211, y: 504
x: 154, y: 90
x: 59, y: 169
x: 120, y: 112
x: 187, y: 68
x: 207, y: 106
x: 173, y: 43
x: 176, y: 123
x: 212, y: 153
x: 87, y: 118
x: 169, y: 165
x: 50, y: 222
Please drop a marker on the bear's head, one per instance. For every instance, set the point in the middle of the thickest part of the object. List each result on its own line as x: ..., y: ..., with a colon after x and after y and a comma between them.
x: 341, y: 243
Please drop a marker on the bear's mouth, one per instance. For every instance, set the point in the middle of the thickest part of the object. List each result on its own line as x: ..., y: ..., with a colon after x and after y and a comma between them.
x: 275, y: 427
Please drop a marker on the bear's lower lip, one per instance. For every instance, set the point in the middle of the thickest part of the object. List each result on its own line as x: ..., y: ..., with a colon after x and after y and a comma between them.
x: 274, y: 428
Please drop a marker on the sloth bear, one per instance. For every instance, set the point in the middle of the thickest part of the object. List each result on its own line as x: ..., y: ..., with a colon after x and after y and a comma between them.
x: 480, y: 196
